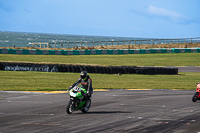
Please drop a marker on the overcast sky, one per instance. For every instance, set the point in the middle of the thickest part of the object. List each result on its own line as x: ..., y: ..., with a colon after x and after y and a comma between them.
x: 120, y: 18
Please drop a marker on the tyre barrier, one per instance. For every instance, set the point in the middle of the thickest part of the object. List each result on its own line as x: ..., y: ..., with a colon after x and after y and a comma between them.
x: 98, y: 51
x: 8, y: 66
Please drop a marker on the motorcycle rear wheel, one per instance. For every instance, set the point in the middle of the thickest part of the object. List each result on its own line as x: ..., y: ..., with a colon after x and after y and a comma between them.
x: 87, y: 106
x: 70, y: 107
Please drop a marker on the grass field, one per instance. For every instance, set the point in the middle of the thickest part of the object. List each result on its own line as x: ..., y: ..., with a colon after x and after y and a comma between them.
x: 173, y: 59
x: 18, y: 80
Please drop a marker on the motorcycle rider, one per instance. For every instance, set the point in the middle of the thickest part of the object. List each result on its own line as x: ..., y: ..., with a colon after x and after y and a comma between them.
x: 86, y: 83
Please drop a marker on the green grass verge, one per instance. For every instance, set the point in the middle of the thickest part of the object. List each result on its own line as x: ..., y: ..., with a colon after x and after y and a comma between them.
x: 169, y: 59
x: 32, y: 81
x: 11, y: 80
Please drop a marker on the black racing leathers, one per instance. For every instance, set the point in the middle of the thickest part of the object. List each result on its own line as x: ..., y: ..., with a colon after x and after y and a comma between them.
x: 86, y: 84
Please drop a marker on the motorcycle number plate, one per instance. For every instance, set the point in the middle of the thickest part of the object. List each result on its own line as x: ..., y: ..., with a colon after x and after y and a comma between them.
x: 77, y: 89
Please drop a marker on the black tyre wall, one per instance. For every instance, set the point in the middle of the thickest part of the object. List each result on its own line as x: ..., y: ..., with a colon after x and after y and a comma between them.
x: 90, y: 69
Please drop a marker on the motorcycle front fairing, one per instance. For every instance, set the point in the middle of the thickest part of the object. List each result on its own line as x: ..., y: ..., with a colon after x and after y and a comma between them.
x: 198, y: 90
x: 77, y: 95
x: 77, y: 92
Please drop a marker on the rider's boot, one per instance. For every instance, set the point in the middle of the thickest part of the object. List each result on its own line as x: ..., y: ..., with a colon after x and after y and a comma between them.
x: 88, y: 97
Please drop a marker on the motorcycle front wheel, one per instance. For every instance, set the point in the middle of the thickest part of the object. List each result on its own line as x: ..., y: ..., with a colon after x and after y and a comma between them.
x: 70, y: 106
x: 195, y: 97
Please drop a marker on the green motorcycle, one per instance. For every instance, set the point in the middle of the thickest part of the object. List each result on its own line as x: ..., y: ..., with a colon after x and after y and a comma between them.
x: 78, y: 100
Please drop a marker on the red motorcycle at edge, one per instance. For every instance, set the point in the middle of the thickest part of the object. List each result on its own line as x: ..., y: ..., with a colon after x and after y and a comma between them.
x: 196, y: 95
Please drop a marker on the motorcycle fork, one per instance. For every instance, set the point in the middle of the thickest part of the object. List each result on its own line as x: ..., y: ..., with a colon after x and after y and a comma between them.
x: 75, y: 102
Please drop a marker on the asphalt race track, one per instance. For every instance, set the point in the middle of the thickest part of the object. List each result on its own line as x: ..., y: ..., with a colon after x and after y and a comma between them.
x: 187, y: 68
x: 130, y: 111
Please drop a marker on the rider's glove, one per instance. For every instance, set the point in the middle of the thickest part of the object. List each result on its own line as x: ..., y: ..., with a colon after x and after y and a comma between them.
x: 70, y: 88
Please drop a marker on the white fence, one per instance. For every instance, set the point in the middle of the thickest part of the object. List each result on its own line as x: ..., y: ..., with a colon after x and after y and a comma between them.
x: 87, y: 44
